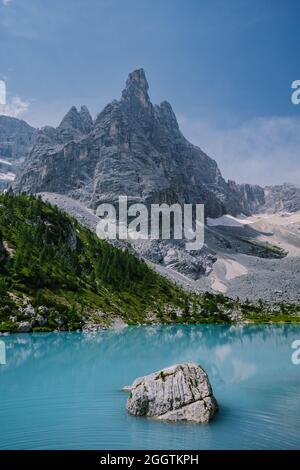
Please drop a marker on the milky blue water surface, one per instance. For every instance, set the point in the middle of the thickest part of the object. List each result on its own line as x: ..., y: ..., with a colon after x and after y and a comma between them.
x: 63, y: 390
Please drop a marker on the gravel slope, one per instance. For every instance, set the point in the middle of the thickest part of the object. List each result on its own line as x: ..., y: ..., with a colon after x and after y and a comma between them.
x: 234, y: 274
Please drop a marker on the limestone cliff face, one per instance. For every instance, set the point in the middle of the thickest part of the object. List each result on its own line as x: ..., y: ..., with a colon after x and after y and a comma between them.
x: 133, y: 148
x: 251, y: 197
x: 279, y: 198
x: 285, y: 197
x: 179, y: 393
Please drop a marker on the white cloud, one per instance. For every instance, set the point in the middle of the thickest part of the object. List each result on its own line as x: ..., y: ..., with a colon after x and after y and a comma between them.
x: 261, y: 150
x: 6, y: 2
x: 14, y: 108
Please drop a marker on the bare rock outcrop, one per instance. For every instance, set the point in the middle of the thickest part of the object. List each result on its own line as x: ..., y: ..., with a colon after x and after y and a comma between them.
x: 181, y: 392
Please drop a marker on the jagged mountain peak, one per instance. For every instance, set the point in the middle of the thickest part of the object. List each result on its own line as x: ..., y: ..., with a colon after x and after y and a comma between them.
x: 73, y: 111
x: 135, y: 148
x: 75, y: 123
x: 86, y: 118
x: 71, y: 119
x: 85, y: 112
x: 137, y: 87
x: 137, y: 79
x: 167, y: 115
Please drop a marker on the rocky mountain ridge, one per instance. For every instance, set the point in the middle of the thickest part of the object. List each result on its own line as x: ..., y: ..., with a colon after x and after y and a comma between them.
x: 132, y: 148
x: 269, y: 199
x: 136, y: 148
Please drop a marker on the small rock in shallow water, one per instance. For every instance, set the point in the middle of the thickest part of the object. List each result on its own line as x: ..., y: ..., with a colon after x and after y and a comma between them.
x: 179, y: 393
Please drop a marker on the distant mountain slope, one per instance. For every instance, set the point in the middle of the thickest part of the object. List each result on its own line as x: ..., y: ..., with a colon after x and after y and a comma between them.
x: 16, y: 141
x: 271, y: 199
x: 282, y: 198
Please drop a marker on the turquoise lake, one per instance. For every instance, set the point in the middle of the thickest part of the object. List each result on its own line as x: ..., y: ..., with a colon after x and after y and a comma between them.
x: 63, y: 390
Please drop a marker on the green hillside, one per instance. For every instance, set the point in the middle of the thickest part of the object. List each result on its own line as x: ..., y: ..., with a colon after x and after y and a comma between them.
x: 56, y: 274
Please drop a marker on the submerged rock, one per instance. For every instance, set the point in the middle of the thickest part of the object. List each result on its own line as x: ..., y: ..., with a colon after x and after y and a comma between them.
x: 179, y: 393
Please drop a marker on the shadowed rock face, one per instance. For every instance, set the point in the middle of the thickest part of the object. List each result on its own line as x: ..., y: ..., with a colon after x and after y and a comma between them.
x: 133, y: 148
x: 254, y: 199
x: 251, y: 197
x: 179, y: 393
x: 16, y: 141
x: 75, y: 124
x: 285, y: 197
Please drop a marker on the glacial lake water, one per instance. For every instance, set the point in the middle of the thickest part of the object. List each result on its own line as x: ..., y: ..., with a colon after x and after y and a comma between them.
x: 63, y: 390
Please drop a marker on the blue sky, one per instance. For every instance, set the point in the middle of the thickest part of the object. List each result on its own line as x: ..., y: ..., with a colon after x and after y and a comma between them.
x: 226, y: 66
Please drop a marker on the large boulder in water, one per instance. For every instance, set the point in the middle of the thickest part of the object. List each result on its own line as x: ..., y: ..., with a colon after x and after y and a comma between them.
x: 178, y: 393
